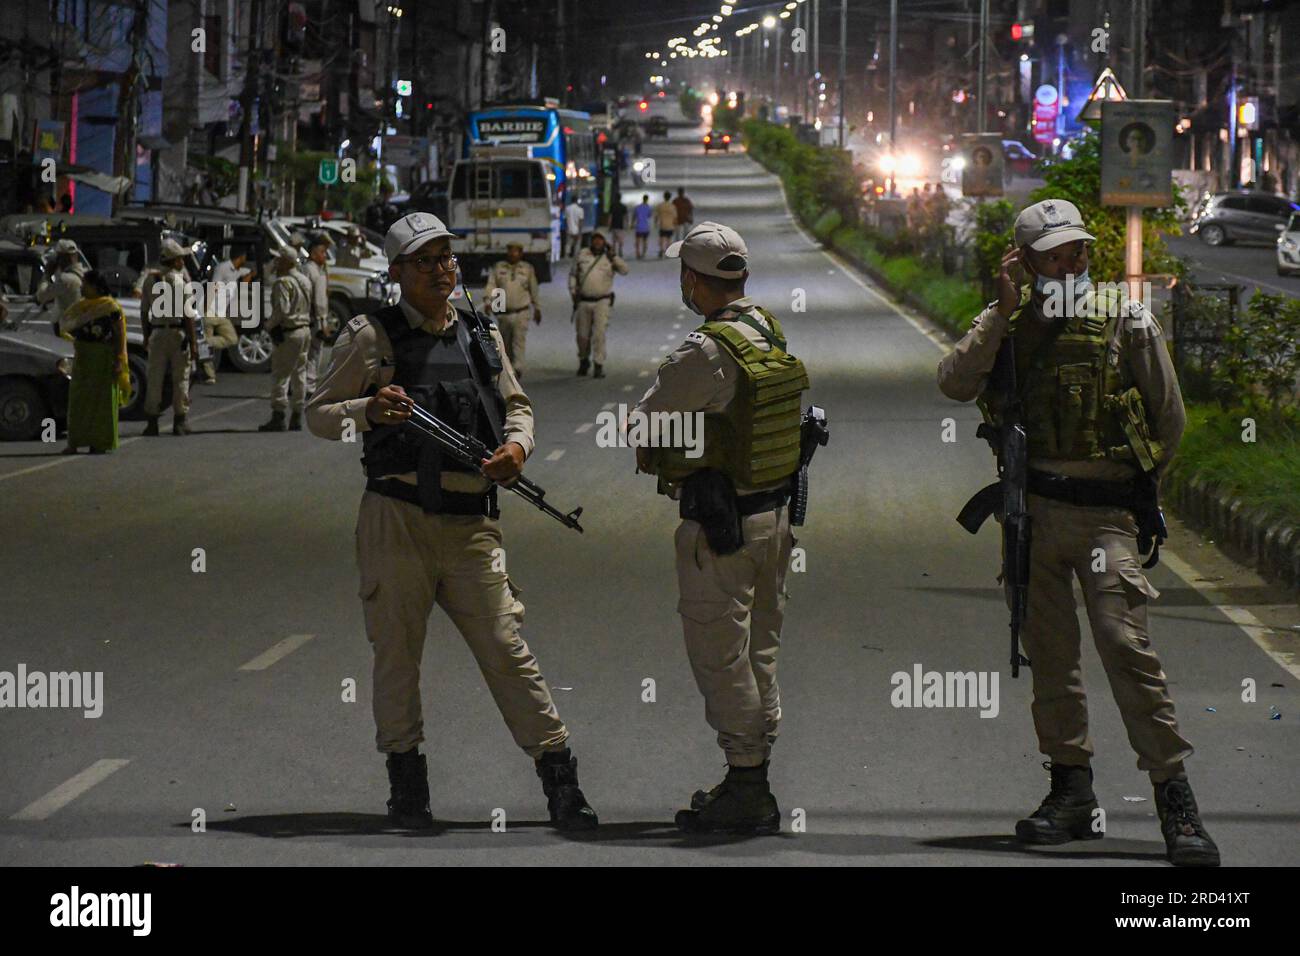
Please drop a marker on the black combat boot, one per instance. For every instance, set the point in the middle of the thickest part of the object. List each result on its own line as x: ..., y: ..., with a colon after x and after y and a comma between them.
x: 569, y: 808
x: 408, y: 781
x: 295, y: 422
x: 276, y: 424
x: 180, y: 426
x: 1186, y: 842
x: 742, y: 803
x: 1066, y: 812
x: 151, y: 429
x: 583, y: 365
x: 598, y: 371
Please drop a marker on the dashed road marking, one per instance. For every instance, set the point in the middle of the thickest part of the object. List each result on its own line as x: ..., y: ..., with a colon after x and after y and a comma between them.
x: 276, y: 652
x: 627, y: 388
x: 58, y: 798
x: 583, y: 428
x: 555, y: 455
x: 607, y: 406
x: 644, y: 373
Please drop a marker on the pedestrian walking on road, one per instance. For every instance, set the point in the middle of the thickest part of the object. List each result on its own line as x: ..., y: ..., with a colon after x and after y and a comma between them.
x: 617, y: 225
x: 734, y: 542
x: 666, y: 220
x: 643, y: 216
x: 427, y: 532
x: 591, y: 287
x: 574, y: 217
x: 1099, y: 402
x: 512, y: 296
x: 101, y: 379
x: 685, y: 212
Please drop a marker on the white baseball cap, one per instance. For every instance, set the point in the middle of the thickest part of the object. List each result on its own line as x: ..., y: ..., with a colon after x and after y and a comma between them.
x: 1050, y: 223
x: 712, y: 249
x: 411, y: 232
x: 170, y: 249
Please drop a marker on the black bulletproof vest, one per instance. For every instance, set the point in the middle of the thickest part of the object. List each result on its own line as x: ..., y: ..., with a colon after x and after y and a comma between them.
x: 433, y: 370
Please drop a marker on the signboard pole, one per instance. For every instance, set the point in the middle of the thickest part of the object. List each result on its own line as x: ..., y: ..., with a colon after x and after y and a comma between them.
x: 1133, y: 251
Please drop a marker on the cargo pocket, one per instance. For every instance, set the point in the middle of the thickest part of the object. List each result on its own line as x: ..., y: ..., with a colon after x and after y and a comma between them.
x: 369, y: 587
x: 1135, y: 580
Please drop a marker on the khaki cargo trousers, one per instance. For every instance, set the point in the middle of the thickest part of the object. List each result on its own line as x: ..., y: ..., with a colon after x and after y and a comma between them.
x: 590, y: 323
x: 732, y: 609
x: 410, y: 561
x: 1098, y: 547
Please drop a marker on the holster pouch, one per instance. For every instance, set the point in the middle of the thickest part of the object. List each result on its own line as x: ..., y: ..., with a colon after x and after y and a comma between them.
x: 709, y: 498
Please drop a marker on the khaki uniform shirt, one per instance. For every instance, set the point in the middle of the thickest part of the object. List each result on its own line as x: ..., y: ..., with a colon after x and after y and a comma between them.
x: 290, y: 302
x: 596, y: 273
x: 362, y: 359
x: 320, y: 299
x: 63, y: 288
x: 167, y: 314
x: 1139, y: 344
x: 701, y: 376
x: 666, y: 215
x: 519, y: 281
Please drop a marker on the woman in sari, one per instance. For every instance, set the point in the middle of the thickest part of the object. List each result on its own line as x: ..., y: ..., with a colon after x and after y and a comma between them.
x: 100, y: 377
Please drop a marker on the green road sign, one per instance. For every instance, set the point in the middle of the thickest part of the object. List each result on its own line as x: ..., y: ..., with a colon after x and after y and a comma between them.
x: 329, y: 171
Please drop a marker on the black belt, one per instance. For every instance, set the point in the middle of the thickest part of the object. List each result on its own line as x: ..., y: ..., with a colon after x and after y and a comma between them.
x: 1083, y: 492
x: 761, y: 502
x: 596, y: 298
x: 453, y: 502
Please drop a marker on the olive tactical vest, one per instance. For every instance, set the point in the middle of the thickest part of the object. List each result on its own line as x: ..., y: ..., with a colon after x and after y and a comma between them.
x: 433, y: 370
x: 1076, y: 404
x: 755, y: 440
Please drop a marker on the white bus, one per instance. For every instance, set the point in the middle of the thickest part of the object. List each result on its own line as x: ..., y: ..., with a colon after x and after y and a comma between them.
x: 499, y: 196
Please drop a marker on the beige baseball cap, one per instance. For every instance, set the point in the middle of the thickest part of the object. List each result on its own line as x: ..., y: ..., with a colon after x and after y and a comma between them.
x: 66, y: 246
x: 712, y: 249
x: 1050, y: 223
x: 411, y: 232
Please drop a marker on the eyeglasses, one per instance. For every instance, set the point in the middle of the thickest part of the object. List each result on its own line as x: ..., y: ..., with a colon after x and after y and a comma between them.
x: 426, y: 264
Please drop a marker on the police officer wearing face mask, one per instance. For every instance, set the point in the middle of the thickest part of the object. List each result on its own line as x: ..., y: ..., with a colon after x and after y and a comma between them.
x: 733, y: 545
x: 1103, y: 414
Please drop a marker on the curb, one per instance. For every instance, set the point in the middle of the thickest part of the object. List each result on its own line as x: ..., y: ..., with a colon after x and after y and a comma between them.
x: 1271, y: 546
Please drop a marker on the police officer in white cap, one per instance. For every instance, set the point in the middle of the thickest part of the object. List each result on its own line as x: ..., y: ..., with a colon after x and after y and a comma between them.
x: 591, y: 287
x: 168, y: 316
x: 733, y: 544
x: 512, y: 296
x: 427, y: 532
x: 63, y: 285
x: 1096, y: 394
x: 289, y: 327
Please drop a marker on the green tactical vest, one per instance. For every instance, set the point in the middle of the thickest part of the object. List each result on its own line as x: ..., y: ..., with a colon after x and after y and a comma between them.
x: 755, y: 441
x: 1076, y: 406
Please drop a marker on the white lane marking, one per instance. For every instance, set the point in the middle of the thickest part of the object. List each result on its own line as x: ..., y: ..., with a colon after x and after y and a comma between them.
x: 665, y: 348
x: 677, y: 325
x: 583, y: 428
x: 58, y: 798
x: 627, y: 388
x: 644, y: 373
x: 934, y: 338
x: 1253, y: 627
x: 673, y: 337
x: 555, y: 455
x: 277, y: 651
x: 607, y: 406
x: 64, y: 459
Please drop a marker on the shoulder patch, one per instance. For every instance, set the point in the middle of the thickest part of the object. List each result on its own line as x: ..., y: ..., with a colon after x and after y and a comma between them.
x: 356, y: 324
x: 699, y: 338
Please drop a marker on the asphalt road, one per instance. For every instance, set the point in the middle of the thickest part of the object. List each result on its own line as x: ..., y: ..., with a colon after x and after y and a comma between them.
x: 97, y: 575
x: 1251, y: 266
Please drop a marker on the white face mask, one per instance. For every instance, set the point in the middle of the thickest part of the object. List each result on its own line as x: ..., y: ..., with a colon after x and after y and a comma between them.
x: 687, y: 297
x: 1046, y: 287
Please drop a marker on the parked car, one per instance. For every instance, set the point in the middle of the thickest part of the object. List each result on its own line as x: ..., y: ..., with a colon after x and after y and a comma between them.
x: 714, y: 141
x: 1241, y: 215
x: 35, y: 371
x: 1288, y: 247
x: 656, y: 126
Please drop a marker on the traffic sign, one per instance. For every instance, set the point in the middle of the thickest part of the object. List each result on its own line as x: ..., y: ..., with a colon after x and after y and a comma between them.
x: 1137, y: 152
x: 981, y: 174
x: 329, y: 172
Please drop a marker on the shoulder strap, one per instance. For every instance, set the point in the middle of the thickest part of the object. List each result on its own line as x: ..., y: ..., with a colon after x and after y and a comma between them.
x: 480, y: 353
x: 393, y: 322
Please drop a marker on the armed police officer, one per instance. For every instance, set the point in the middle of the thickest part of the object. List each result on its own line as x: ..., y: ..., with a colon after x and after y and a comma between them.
x: 169, y: 318
x: 512, y: 297
x: 733, y: 544
x: 289, y: 327
x: 427, y: 532
x: 1096, y: 394
x: 591, y: 287
x: 62, y: 286
x: 316, y: 269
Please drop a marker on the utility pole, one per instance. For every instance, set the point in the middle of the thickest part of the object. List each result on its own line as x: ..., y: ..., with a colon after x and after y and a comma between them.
x: 246, y: 103
x: 844, y: 54
x: 817, y: 56
x: 128, y: 99
x: 982, y: 115
x: 893, y: 83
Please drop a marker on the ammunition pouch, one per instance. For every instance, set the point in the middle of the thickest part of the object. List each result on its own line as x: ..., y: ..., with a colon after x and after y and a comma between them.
x: 709, y: 498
